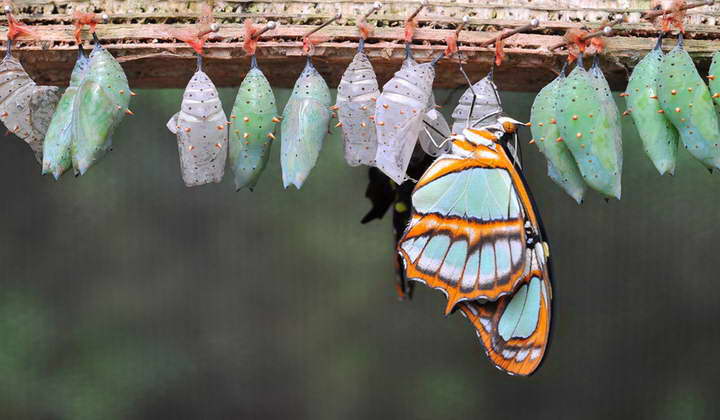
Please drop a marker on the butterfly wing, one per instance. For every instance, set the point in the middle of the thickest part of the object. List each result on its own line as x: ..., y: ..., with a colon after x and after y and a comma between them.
x: 659, y: 136
x: 561, y: 165
x: 471, y: 220
x: 201, y: 132
x: 356, y: 96
x: 398, y: 117
x: 100, y: 105
x: 515, y: 329
x: 304, y: 126
x: 690, y: 110
x: 252, y: 126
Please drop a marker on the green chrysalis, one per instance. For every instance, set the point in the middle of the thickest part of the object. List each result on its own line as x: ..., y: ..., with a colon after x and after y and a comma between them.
x: 304, y: 126
x: 714, y: 78
x: 659, y: 136
x: 252, y: 128
x: 589, y: 126
x: 100, y: 105
x: 561, y: 165
x: 57, y: 156
x: 686, y: 101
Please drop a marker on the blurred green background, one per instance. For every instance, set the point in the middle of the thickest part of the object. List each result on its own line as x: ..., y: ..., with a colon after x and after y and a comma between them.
x: 126, y: 295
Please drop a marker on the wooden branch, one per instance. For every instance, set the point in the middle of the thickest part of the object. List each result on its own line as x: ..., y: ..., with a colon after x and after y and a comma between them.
x: 153, y: 59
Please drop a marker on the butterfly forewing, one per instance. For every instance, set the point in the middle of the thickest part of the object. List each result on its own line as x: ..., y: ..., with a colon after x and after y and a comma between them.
x: 470, y: 224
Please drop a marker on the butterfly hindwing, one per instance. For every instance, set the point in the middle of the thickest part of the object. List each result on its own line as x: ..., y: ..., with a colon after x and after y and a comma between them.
x: 515, y: 329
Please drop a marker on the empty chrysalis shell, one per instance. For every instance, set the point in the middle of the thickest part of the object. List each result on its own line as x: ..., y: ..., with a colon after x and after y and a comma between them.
x: 304, y: 126
x: 690, y: 110
x: 485, y: 111
x: 399, y: 117
x: 658, y: 135
x: 57, y: 154
x: 356, y: 96
x: 252, y: 129
x: 100, y: 105
x: 202, y: 134
x: 25, y: 108
x: 589, y: 127
x: 562, y: 167
x: 435, y: 131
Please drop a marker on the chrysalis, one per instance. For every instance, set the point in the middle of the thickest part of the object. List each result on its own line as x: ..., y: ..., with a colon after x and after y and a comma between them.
x: 589, y: 125
x: 356, y: 96
x: 25, y: 108
x: 57, y: 156
x: 100, y: 105
x: 561, y: 165
x: 715, y: 80
x: 686, y: 101
x: 485, y: 110
x: 399, y: 117
x: 659, y: 136
x: 201, y: 129
x: 253, y: 128
x: 304, y: 126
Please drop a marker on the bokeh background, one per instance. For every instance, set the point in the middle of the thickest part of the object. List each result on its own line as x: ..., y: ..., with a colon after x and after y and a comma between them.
x: 126, y: 295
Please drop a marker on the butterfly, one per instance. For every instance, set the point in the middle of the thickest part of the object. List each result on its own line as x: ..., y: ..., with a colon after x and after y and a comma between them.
x: 475, y: 235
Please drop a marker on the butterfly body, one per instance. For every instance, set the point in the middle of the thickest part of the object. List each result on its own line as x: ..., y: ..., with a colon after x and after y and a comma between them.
x: 201, y: 131
x: 252, y: 129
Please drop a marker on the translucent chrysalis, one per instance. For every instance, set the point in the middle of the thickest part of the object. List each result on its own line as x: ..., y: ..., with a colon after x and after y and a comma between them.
x: 304, y: 126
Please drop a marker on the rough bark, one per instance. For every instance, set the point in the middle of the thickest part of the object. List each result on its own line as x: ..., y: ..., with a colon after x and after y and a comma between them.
x: 138, y: 35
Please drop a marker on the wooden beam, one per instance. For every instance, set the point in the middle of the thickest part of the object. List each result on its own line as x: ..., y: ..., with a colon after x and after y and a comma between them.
x: 140, y: 36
